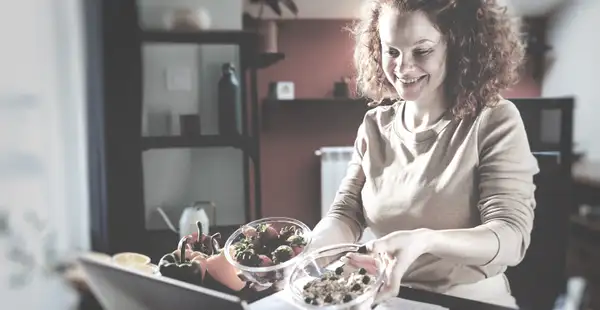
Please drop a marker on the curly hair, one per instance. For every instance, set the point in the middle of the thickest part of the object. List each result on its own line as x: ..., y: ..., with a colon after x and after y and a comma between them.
x: 484, y: 51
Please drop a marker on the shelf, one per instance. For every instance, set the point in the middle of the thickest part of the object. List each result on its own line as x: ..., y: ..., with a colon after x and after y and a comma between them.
x: 237, y: 37
x: 150, y: 143
x: 315, y: 101
x: 240, y: 37
x: 268, y: 59
x: 301, y: 105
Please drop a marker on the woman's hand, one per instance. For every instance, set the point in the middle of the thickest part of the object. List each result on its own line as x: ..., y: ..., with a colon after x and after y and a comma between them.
x: 401, y: 249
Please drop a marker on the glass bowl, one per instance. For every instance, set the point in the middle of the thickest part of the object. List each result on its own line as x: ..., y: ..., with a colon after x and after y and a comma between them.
x: 328, y: 259
x: 274, y: 275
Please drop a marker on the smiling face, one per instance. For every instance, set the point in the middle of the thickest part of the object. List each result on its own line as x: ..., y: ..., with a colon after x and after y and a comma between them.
x: 413, y: 55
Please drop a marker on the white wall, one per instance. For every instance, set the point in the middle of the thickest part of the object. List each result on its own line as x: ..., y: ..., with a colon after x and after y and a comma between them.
x: 573, y: 69
x: 44, y: 209
x: 176, y: 177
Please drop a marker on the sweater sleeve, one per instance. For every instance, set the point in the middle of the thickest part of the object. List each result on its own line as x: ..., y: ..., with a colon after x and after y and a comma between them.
x: 344, y: 222
x: 506, y: 170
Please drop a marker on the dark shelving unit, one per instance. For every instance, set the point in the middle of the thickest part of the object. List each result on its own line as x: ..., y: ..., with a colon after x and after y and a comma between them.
x: 238, y: 37
x: 169, y: 142
x: 115, y: 118
x: 265, y: 60
x: 248, y: 142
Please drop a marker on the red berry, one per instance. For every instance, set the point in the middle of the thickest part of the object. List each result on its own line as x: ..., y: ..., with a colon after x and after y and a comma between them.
x: 272, y: 232
x: 266, y: 233
x: 297, y: 249
x: 265, y: 261
x: 249, y: 231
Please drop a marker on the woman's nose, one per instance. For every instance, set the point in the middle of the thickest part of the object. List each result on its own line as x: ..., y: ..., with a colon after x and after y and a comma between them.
x: 404, y: 63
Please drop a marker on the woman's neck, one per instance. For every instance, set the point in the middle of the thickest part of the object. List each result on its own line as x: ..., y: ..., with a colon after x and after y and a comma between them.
x: 418, y: 116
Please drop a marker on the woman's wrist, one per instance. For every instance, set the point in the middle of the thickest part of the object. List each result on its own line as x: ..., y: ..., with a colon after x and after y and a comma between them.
x: 469, y: 246
x: 424, y: 238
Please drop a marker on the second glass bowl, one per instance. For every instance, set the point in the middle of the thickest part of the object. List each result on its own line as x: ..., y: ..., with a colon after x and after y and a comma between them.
x: 328, y: 259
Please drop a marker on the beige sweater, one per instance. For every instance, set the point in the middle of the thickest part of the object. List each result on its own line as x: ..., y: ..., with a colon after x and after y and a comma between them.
x: 455, y: 174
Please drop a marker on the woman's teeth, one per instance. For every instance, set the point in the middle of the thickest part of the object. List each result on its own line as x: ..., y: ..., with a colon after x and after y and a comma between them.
x: 410, y: 81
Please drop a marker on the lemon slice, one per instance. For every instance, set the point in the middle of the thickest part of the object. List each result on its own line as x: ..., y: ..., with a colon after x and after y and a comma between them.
x: 144, y: 268
x: 129, y: 259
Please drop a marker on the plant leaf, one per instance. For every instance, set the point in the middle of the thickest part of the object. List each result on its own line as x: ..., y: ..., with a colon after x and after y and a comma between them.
x: 274, y: 5
x: 291, y: 5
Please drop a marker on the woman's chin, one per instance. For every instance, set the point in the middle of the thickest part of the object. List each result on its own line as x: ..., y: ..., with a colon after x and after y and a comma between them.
x: 409, y: 96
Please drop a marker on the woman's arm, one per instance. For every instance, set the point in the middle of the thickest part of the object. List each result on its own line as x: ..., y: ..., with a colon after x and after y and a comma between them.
x: 344, y: 223
x: 469, y: 246
x: 506, y: 201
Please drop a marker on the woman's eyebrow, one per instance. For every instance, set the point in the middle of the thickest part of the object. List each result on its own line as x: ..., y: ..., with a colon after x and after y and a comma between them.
x: 419, y: 41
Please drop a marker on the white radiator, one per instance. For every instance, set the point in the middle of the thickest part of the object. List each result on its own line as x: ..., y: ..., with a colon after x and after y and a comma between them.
x: 334, y: 162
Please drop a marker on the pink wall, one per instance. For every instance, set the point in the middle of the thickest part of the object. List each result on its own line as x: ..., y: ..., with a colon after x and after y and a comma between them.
x: 318, y: 53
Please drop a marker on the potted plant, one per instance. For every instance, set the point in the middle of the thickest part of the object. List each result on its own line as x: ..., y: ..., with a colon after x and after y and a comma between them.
x: 268, y: 28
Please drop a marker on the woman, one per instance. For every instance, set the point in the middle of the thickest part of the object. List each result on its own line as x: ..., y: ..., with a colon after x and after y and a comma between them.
x: 444, y: 175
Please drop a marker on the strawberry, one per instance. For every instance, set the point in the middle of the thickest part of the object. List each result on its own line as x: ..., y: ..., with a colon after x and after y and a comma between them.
x: 248, y: 258
x: 296, y: 240
x: 297, y: 243
x: 249, y: 231
x: 287, y: 232
x: 282, y: 253
x: 267, y: 232
x: 265, y: 261
x: 297, y: 249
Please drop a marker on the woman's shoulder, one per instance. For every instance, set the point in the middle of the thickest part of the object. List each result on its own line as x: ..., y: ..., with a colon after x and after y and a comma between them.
x: 501, y: 121
x: 503, y: 109
x: 381, y: 116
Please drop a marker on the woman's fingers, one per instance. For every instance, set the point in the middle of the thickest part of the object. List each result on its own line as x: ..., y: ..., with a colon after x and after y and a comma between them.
x: 387, y: 289
x: 362, y: 259
x: 389, y: 243
x: 394, y: 273
x: 365, y: 261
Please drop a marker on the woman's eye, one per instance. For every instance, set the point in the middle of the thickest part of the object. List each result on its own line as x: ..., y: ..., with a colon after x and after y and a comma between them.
x: 423, y: 52
x: 393, y: 52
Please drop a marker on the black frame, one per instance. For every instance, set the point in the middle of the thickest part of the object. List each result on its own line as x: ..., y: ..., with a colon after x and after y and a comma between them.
x: 114, y: 102
x: 95, y: 126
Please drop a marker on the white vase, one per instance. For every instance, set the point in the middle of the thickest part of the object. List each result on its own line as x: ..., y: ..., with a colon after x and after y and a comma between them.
x: 187, y: 19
